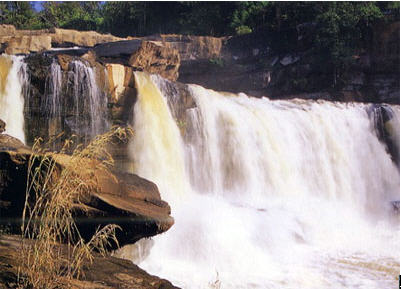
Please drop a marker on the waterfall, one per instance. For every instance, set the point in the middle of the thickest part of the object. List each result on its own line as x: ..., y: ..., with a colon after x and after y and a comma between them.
x: 267, y: 194
x: 12, y: 78
x: 157, y: 141
x: 89, y: 102
x: 52, y: 104
x: 73, y: 102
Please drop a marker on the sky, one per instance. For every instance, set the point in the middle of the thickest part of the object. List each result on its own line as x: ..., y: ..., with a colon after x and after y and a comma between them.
x: 37, y: 5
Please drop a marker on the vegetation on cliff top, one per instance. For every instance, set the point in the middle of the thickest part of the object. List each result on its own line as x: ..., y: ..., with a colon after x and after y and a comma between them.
x: 341, y: 27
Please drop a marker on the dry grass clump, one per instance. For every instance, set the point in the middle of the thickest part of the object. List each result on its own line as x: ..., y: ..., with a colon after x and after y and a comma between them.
x: 53, y: 192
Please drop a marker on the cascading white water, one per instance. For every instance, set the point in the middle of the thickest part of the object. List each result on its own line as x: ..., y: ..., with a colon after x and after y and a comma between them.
x: 89, y: 102
x: 52, y: 102
x: 268, y: 194
x: 77, y: 102
x: 12, y: 79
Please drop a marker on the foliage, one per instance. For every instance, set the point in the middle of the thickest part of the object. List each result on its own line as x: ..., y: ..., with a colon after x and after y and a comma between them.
x: 250, y: 14
x: 343, y: 26
x: 73, y: 15
x: 19, y: 14
x: 243, y: 29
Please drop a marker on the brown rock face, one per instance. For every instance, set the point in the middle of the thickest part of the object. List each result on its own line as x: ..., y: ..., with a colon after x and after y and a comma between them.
x: 124, y: 199
x: 80, y: 38
x: 7, y: 30
x: 191, y: 47
x: 157, y: 59
x: 103, y: 273
x: 64, y: 60
x: 26, y: 43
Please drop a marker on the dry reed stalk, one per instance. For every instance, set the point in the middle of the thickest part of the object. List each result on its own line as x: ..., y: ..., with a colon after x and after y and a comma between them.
x: 52, y: 193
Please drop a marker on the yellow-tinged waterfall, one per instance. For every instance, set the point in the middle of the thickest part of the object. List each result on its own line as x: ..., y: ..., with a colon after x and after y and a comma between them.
x: 11, y: 95
x: 156, y: 149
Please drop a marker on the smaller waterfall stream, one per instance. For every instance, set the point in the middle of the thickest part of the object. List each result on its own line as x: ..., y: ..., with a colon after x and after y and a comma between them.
x: 12, y: 78
x: 90, y: 102
x: 73, y: 102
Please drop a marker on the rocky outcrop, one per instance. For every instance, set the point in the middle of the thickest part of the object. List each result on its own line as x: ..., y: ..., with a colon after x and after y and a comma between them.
x: 156, y: 59
x: 122, y: 91
x: 387, y: 128
x: 63, y: 37
x: 117, y: 52
x: 191, y: 47
x: 15, y: 41
x: 102, y: 273
x: 124, y: 199
x: 149, y: 56
x: 26, y: 43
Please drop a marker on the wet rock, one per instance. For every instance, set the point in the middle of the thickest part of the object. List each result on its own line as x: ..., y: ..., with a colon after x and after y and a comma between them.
x: 64, y: 61
x: 387, y: 130
x: 2, y: 126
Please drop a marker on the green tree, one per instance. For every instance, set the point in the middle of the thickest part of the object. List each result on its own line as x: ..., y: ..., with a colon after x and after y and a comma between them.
x: 19, y: 14
x: 250, y: 15
x: 73, y: 15
x: 342, y: 30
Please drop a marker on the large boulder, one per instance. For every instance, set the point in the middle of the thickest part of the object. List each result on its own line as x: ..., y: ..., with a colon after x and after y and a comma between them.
x: 117, y: 52
x: 150, y: 56
x: 157, y: 59
x: 124, y: 199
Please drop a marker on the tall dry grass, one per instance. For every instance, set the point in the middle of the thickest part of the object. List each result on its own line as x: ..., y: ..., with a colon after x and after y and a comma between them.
x: 53, y: 192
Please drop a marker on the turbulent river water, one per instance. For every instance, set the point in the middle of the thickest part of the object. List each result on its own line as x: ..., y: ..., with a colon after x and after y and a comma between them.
x: 267, y: 194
